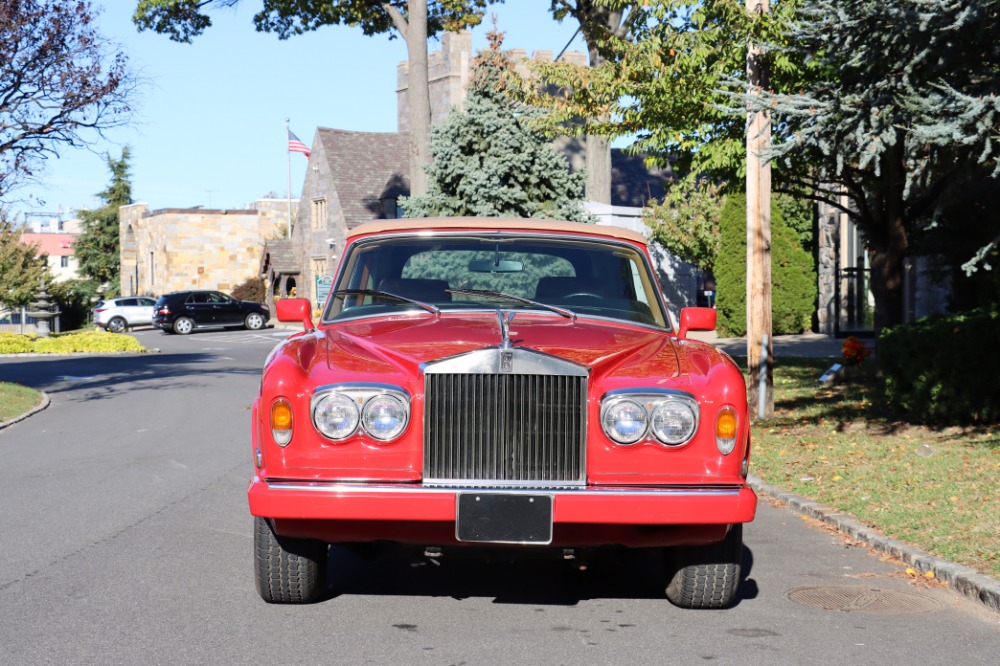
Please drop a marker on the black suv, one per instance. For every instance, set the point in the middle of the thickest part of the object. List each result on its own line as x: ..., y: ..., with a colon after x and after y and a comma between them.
x: 183, y: 311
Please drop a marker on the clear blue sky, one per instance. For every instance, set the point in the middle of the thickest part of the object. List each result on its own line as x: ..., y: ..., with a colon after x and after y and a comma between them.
x: 210, y: 125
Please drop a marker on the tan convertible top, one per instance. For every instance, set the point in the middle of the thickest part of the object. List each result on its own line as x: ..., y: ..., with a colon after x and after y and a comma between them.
x: 493, y: 223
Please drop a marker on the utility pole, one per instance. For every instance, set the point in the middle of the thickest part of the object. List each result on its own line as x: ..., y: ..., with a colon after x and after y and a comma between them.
x: 760, y: 384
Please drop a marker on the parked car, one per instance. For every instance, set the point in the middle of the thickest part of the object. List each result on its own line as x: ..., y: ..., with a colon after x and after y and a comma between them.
x: 119, y: 314
x: 503, y: 383
x: 184, y: 311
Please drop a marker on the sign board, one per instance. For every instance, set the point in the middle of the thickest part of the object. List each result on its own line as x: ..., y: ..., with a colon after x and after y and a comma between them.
x: 323, y: 284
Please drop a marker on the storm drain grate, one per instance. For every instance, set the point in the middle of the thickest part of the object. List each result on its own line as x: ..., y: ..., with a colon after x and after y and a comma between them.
x: 861, y: 599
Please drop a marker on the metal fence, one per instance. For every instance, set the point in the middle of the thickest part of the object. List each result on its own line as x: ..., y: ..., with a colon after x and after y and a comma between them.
x: 16, y: 320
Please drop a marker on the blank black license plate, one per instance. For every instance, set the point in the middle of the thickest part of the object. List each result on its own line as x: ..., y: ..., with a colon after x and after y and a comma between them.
x: 504, y: 518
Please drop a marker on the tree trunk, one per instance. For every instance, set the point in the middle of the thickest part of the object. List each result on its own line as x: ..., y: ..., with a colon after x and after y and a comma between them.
x: 760, y: 366
x: 418, y: 95
x: 598, y: 186
x: 598, y: 161
x: 889, y: 246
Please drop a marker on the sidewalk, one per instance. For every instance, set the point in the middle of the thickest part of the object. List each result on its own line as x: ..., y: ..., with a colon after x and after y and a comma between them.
x: 810, y: 345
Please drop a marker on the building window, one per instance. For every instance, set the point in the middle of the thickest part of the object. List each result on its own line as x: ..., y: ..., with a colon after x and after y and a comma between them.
x: 319, y: 213
x: 319, y: 266
x: 152, y: 272
x: 64, y: 261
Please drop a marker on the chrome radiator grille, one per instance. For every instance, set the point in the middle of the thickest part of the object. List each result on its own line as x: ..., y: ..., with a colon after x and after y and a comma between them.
x: 509, y: 429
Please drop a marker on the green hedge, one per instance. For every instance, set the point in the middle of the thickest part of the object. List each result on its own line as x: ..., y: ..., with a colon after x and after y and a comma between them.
x: 793, y: 274
x: 944, y: 370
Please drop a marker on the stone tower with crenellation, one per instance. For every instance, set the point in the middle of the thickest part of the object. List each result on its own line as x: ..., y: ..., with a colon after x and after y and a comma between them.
x: 448, y: 74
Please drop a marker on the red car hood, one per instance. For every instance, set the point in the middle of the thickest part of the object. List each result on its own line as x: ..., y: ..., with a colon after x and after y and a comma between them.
x: 404, y: 343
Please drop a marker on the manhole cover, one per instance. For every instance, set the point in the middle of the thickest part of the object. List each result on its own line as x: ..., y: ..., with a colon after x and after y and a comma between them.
x: 861, y: 599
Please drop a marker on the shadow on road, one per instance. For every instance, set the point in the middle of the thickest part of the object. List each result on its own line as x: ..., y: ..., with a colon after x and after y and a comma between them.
x: 608, y: 574
x: 101, y: 377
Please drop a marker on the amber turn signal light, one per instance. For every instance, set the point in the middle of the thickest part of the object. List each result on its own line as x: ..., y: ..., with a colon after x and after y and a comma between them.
x: 726, y: 427
x: 281, y: 422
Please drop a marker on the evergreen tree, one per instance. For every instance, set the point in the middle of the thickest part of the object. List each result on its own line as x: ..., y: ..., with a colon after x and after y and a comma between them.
x: 98, y: 247
x: 731, y: 268
x: 882, y: 122
x: 488, y: 162
x: 21, y: 270
x: 792, y: 272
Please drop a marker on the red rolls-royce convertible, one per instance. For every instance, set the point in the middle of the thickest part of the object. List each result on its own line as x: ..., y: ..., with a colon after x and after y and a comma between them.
x: 504, y: 384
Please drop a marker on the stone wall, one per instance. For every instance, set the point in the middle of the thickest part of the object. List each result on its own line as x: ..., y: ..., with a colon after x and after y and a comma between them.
x: 826, y: 268
x: 926, y: 289
x: 194, y: 248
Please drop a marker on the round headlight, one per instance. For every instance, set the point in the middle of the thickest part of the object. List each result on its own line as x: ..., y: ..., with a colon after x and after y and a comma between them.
x: 625, y: 421
x: 674, y: 422
x: 384, y: 417
x: 336, y: 416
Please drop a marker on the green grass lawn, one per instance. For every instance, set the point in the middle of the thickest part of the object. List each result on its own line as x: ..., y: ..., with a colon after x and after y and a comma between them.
x: 934, y: 488
x: 16, y: 400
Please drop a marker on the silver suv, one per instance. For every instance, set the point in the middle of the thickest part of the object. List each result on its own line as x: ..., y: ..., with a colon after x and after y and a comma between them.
x: 118, y: 314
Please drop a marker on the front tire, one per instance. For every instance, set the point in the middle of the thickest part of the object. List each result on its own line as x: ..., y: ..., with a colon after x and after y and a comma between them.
x: 183, y: 326
x: 288, y: 571
x: 706, y: 576
x: 254, y: 321
x: 117, y: 325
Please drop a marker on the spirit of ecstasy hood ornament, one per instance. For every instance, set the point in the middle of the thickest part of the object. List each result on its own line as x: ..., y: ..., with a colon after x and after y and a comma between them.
x: 505, y: 319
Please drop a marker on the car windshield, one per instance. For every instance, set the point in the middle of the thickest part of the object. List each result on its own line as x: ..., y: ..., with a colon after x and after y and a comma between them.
x: 585, y: 277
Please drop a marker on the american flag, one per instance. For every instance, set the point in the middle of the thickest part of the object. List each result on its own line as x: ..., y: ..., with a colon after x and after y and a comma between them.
x: 295, y: 145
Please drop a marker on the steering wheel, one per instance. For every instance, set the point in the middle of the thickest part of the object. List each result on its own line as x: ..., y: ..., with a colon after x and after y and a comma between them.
x: 587, y: 294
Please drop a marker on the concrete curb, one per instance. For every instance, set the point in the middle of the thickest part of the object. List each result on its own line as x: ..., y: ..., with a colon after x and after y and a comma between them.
x: 34, y: 410
x: 968, y: 582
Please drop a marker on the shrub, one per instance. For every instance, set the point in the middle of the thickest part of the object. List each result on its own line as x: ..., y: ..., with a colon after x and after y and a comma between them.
x: 793, y: 274
x: 941, y: 370
x: 793, y: 278
x: 251, y: 289
x: 68, y: 343
x: 12, y: 343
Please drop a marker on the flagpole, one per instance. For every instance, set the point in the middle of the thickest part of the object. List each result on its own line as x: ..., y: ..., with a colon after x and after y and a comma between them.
x: 288, y: 160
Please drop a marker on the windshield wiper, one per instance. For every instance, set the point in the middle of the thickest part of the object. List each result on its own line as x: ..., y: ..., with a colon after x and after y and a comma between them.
x: 430, y: 307
x: 569, y: 314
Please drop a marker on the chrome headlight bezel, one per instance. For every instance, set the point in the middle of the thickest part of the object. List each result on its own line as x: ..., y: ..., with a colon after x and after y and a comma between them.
x: 375, y: 411
x: 361, y: 397
x: 624, y: 420
x: 674, y: 421
x: 323, y: 404
x: 683, y: 406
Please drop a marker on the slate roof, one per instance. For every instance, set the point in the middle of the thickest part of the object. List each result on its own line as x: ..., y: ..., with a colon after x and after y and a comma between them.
x: 633, y: 183
x: 280, y: 255
x: 366, y: 167
x: 365, y: 163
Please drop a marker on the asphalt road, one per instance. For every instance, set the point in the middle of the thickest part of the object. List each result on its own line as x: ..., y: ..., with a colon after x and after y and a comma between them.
x: 125, y: 539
